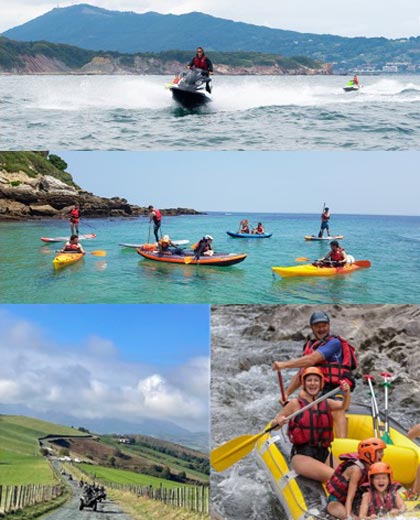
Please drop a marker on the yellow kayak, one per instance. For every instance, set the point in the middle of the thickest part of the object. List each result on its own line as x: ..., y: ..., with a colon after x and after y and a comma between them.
x: 302, y: 497
x: 64, y: 259
x: 311, y: 270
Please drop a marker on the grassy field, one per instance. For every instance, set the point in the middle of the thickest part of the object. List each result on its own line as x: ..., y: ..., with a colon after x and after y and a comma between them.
x: 176, y: 464
x: 145, y: 509
x: 121, y: 476
x: 20, y: 459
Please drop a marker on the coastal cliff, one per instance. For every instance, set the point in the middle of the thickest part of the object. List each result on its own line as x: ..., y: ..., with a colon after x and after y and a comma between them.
x: 50, y: 58
x: 34, y: 185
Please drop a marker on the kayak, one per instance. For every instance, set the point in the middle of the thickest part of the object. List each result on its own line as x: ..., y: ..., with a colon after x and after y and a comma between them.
x: 146, y: 246
x: 249, y: 235
x: 218, y: 259
x: 65, y: 239
x: 304, y: 498
x: 311, y: 270
x: 315, y: 237
x: 65, y: 259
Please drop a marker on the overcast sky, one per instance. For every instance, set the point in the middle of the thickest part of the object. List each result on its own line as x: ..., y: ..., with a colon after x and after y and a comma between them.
x: 107, y: 361
x: 382, y: 183
x: 389, y: 18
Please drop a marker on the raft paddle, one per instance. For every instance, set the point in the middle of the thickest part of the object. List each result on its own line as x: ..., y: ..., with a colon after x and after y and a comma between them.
x: 375, y: 411
x: 302, y: 259
x: 362, y: 263
x: 386, y: 384
x: 236, y: 449
x: 284, y: 401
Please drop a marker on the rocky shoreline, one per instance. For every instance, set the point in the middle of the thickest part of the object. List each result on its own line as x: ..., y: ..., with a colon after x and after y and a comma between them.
x: 38, y: 195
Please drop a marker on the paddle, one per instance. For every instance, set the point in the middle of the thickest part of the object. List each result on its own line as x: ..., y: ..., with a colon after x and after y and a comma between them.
x: 375, y: 411
x: 362, y: 263
x: 302, y: 259
x: 386, y: 384
x: 188, y: 260
x: 321, y: 231
x: 97, y: 252
x: 284, y: 401
x: 236, y: 449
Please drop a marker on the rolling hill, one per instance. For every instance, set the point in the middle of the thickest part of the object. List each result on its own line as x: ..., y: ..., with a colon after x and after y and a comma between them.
x: 100, y: 29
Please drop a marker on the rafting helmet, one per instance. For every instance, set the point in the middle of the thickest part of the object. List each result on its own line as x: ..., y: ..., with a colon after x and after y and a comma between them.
x: 315, y: 371
x: 380, y: 468
x: 367, y: 449
x: 319, y: 317
x: 208, y: 237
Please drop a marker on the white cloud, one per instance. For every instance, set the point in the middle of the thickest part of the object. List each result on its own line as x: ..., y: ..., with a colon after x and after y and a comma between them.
x: 92, y: 381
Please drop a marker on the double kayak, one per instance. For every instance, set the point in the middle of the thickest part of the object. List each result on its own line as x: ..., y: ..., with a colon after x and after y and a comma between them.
x: 316, y: 237
x: 304, y: 498
x: 249, y: 235
x: 65, y: 239
x: 311, y: 270
x: 218, y: 259
x: 65, y: 259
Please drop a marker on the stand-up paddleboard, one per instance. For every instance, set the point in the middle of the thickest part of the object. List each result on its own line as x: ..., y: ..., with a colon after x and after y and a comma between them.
x: 249, y: 235
x: 315, y: 237
x: 65, y: 239
x: 135, y: 246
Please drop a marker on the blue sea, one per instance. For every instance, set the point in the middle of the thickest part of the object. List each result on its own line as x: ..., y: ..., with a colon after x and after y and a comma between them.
x: 391, y: 243
x: 247, y: 113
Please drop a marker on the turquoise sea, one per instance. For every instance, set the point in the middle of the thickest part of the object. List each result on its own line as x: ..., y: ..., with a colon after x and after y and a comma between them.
x: 391, y: 243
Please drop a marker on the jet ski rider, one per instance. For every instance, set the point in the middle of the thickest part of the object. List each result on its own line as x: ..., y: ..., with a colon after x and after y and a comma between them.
x: 200, y: 61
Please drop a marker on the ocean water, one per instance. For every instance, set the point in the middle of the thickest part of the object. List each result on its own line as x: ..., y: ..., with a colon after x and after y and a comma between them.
x: 248, y: 113
x: 392, y: 244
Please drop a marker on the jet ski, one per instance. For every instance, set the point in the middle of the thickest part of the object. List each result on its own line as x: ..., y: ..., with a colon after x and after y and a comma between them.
x: 351, y: 86
x: 191, y: 89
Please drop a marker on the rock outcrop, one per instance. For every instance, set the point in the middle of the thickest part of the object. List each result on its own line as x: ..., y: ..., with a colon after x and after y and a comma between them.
x: 30, y: 194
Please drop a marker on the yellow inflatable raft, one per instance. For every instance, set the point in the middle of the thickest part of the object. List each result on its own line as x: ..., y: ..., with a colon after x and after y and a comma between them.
x: 403, y: 456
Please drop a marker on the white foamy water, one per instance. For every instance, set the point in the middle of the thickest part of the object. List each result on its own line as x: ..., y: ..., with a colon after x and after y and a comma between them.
x: 247, y: 112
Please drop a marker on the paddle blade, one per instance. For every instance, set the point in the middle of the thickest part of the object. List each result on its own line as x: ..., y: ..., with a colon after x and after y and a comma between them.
x: 98, y: 252
x: 386, y: 438
x: 362, y: 263
x: 302, y: 259
x: 188, y: 260
x: 232, y: 451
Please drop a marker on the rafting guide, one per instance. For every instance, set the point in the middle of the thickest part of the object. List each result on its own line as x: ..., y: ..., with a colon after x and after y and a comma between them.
x: 333, y: 355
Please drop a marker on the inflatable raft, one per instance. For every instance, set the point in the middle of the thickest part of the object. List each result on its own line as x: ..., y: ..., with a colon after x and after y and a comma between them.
x: 302, y: 498
x: 249, y: 235
x: 218, y: 259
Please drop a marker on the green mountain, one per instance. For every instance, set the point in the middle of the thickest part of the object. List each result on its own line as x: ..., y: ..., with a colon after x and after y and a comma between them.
x: 99, y: 29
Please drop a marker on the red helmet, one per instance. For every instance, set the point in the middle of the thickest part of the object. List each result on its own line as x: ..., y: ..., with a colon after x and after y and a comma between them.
x: 312, y: 371
x: 367, y: 449
x: 380, y: 468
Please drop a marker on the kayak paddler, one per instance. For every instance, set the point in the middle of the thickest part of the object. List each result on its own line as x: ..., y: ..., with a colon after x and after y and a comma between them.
x: 73, y: 246
x: 336, y: 257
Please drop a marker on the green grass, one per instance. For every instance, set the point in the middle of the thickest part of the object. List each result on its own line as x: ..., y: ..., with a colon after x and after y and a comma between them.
x: 19, y: 470
x: 33, y: 164
x: 37, y: 510
x: 20, y: 458
x: 121, y: 476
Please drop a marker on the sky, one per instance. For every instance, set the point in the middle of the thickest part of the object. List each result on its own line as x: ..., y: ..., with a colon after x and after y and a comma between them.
x: 390, y: 18
x: 378, y: 183
x: 108, y: 361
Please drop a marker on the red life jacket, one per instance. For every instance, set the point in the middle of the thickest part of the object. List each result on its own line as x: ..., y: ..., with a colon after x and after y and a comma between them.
x: 158, y: 215
x: 200, y: 63
x: 377, y: 506
x: 333, y: 372
x: 325, y: 217
x: 338, y: 485
x: 74, y: 215
x: 71, y: 247
x: 313, y: 426
x: 337, y: 256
